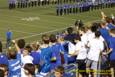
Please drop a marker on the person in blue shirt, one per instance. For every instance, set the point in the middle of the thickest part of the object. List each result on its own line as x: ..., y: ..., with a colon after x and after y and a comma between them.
x: 8, y: 37
x: 35, y: 53
x: 55, y: 49
x: 14, y: 63
x: 109, y: 23
x: 104, y: 32
x: 45, y: 55
x: 111, y: 51
x: 3, y: 57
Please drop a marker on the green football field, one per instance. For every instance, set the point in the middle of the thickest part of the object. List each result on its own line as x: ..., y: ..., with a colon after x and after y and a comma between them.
x: 31, y: 23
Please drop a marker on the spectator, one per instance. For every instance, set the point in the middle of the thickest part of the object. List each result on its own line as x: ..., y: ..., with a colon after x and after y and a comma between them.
x: 29, y: 70
x: 35, y: 53
x: 96, y: 46
x: 14, y: 63
x: 45, y: 55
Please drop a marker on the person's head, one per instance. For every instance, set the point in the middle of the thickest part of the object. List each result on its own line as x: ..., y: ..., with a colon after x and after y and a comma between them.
x: 1, y: 73
x: 45, y: 39
x: 29, y: 48
x: 108, y: 20
x: 29, y: 69
x: 53, y: 38
x: 21, y: 43
x: 25, y: 52
x: 59, y: 71
x: 112, y: 32
x: 82, y: 30
x: 0, y: 47
x: 5, y: 69
x: 70, y: 30
x: 35, y: 46
x: 95, y: 27
x: 77, y: 38
x: 11, y: 53
x: 97, y: 34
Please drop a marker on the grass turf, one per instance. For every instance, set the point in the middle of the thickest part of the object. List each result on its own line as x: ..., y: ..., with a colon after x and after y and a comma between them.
x: 47, y: 22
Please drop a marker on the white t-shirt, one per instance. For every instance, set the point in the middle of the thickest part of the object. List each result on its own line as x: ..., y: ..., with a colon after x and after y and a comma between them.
x: 26, y: 59
x: 82, y: 51
x: 84, y: 39
x: 91, y: 35
x: 96, y: 46
x: 71, y: 48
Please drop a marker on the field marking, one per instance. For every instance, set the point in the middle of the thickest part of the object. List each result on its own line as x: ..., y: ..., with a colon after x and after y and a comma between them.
x: 25, y: 37
x: 41, y: 33
x: 44, y: 20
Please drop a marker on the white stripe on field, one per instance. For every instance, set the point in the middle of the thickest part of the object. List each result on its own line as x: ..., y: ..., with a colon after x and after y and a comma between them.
x: 42, y: 33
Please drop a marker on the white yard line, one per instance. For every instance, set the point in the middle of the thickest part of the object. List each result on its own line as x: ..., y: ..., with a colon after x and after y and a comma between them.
x: 41, y: 33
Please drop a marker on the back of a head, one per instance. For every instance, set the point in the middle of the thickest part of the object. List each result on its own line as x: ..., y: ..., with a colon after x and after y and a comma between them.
x: 70, y: 30
x: 1, y: 73
x: 95, y: 27
x: 11, y: 53
x: 45, y: 39
x: 53, y: 38
x: 60, y: 69
x: 108, y: 20
x: 30, y: 68
x: 97, y: 34
x: 21, y: 43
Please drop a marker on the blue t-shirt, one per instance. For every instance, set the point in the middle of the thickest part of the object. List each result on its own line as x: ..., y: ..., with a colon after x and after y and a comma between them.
x: 112, y: 45
x: 36, y: 57
x: 15, y: 66
x: 3, y: 59
x: 45, y: 57
x: 105, y: 34
x: 110, y: 26
x: 56, y: 49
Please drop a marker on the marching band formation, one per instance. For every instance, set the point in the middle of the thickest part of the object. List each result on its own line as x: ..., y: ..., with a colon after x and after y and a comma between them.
x: 63, y: 9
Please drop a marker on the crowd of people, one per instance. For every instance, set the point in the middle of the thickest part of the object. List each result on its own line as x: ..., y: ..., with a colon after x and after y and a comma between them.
x: 83, y: 6
x: 85, y: 47
x: 33, y: 3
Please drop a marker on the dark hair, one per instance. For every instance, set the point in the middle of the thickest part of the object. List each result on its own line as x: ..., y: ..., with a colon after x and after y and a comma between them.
x: 29, y: 48
x: 70, y: 30
x: 83, y: 29
x: 97, y: 34
x: 78, y: 38
x: 95, y: 27
x: 60, y: 69
x: 1, y: 73
x: 21, y: 43
x: 11, y: 54
x: 45, y: 39
x: 0, y: 46
x: 30, y: 68
x: 108, y: 19
x: 5, y: 67
x: 53, y: 38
